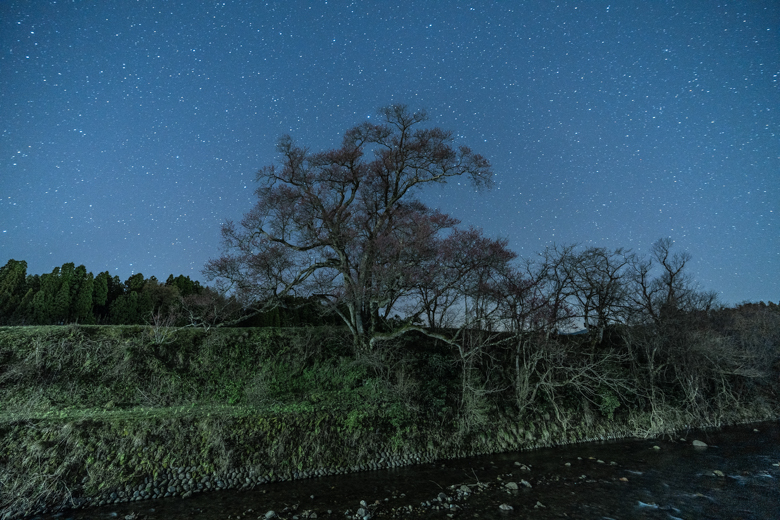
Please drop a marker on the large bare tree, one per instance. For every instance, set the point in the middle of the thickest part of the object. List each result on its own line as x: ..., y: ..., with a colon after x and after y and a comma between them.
x: 663, y: 297
x: 345, y: 224
x: 600, y: 281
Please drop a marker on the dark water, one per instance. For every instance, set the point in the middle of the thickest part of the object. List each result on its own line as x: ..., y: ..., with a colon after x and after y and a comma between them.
x: 677, y: 480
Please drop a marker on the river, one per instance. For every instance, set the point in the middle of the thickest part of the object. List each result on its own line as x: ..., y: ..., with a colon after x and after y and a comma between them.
x: 736, y: 476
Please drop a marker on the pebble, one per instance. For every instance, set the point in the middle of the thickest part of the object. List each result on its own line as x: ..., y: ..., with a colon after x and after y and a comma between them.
x: 186, y: 481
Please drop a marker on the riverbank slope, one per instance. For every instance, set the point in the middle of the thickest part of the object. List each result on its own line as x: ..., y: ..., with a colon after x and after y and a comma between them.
x: 96, y: 415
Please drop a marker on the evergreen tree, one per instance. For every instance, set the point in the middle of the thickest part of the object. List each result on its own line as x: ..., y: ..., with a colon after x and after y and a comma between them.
x: 118, y: 310
x: 78, y: 280
x: 40, y: 307
x: 185, y: 285
x: 70, y: 293
x: 44, y: 311
x: 50, y: 282
x: 68, y: 274
x: 135, y: 283
x: 100, y: 287
x: 144, y: 309
x: 115, y: 289
x: 124, y: 310
x: 23, y: 314
x: 12, y: 281
x: 59, y: 312
x: 164, y: 297
x: 100, y: 297
x: 33, y: 281
x: 82, y: 307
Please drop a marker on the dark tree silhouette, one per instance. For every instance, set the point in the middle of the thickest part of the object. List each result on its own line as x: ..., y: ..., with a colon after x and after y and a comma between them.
x: 344, y: 224
x: 664, y: 297
x: 12, y: 281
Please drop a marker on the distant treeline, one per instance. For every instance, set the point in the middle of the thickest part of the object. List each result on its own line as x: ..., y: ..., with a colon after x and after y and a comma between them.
x: 71, y: 294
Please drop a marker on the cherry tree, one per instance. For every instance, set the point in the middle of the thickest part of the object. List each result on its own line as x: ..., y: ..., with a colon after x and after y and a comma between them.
x: 455, y: 284
x: 345, y: 225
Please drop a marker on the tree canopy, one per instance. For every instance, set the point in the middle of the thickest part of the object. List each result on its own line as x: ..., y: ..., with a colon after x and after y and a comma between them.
x: 345, y: 225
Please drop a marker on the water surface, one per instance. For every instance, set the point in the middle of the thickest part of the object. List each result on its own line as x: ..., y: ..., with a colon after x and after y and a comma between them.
x: 736, y: 476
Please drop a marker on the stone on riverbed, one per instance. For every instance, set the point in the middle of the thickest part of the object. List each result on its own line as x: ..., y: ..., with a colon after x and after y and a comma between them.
x: 699, y: 444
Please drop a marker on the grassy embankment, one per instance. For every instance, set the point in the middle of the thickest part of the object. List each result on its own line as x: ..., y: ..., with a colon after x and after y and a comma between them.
x: 86, y: 411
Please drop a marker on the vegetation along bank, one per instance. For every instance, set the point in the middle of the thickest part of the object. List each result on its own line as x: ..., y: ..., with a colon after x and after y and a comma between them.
x: 100, y: 414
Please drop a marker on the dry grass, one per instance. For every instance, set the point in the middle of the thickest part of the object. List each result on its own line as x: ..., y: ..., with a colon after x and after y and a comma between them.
x: 94, y: 408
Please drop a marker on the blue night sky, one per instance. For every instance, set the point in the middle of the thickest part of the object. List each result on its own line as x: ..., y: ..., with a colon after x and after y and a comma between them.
x: 131, y: 129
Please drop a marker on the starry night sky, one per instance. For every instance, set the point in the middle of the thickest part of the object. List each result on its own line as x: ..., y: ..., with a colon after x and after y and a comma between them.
x: 132, y: 130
